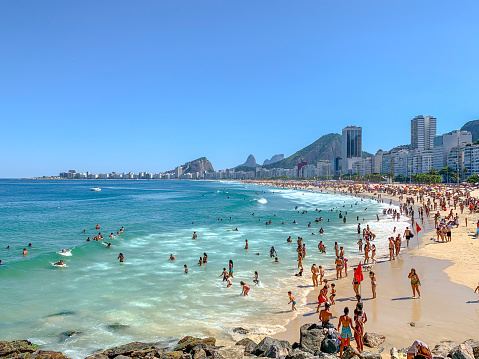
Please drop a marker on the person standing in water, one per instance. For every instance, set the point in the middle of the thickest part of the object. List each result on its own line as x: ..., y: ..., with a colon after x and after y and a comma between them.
x: 195, y: 235
x: 415, y: 283
x: 246, y: 245
x: 245, y: 289
x: 121, y: 257
x: 186, y: 269
x: 230, y: 270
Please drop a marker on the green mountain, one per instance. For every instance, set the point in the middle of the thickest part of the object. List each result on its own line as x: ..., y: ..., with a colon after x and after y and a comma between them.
x: 472, y: 127
x: 326, y: 148
x: 199, y: 165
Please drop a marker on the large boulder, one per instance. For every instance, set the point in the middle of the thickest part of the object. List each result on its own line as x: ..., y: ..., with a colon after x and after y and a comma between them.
x: 350, y: 352
x: 127, y: 349
x: 462, y: 351
x: 368, y: 354
x: 199, y: 354
x: 249, y: 345
x: 475, y: 346
x: 443, y: 349
x: 311, y: 337
x: 328, y: 346
x: 373, y: 340
x: 265, y: 346
x: 299, y: 354
x: 326, y: 356
x: 16, y: 347
x: 188, y: 343
x: 277, y: 352
x: 229, y: 352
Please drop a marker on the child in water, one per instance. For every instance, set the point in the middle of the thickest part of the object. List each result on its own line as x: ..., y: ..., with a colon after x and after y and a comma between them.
x: 292, y: 301
x: 186, y: 269
x: 256, y: 280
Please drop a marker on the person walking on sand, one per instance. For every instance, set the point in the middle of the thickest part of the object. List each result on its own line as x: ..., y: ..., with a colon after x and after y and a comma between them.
x: 346, y: 334
x: 373, y: 254
x: 372, y: 276
x: 322, y: 297
x: 415, y: 283
x: 355, y: 285
x: 407, y: 234
x: 292, y: 301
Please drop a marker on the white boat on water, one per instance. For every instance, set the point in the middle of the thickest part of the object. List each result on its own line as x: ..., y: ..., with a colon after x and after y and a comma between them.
x: 96, y: 189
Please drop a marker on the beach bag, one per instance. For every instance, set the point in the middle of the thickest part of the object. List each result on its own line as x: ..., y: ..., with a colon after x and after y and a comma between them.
x: 412, y: 235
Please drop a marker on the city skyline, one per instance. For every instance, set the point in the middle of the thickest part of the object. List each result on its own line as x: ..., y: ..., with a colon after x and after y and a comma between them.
x: 135, y: 87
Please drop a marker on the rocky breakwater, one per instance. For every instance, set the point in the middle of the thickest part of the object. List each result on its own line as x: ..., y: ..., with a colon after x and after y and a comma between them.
x: 315, y: 343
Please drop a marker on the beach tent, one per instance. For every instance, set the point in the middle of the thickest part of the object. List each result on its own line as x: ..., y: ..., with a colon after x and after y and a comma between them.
x: 419, y: 350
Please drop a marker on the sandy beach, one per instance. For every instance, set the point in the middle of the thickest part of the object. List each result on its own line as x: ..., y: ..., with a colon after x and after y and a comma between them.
x: 448, y: 308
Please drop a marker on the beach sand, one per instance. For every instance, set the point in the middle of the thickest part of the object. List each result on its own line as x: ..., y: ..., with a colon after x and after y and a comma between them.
x: 448, y: 308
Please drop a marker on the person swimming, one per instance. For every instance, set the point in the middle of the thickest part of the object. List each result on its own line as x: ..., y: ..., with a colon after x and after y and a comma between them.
x: 59, y: 263
x: 172, y: 257
x: 97, y: 226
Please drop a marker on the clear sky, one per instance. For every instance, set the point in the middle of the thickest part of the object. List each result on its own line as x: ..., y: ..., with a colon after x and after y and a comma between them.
x: 147, y: 85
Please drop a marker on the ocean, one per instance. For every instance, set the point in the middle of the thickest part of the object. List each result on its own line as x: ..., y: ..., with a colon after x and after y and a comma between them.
x: 148, y: 297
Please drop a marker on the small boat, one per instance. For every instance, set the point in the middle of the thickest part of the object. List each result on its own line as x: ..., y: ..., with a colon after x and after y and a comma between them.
x: 96, y: 189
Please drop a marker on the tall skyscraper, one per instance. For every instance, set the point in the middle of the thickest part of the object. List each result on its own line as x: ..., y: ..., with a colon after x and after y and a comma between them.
x: 423, y: 130
x: 351, y: 147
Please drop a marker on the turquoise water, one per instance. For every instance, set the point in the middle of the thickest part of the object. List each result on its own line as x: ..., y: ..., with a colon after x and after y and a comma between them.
x: 148, y: 297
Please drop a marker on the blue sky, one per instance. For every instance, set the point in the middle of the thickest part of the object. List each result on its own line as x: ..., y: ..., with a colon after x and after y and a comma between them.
x: 147, y: 85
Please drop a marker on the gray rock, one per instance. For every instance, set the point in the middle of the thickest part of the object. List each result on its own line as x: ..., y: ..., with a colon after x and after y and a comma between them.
x: 229, y: 352
x: 326, y: 356
x: 442, y: 349
x: 475, y: 346
x: 122, y: 357
x: 249, y: 345
x: 350, y: 352
x: 276, y: 351
x: 265, y: 346
x: 412, y: 324
x: 328, y: 346
x: 240, y: 330
x: 311, y: 337
x: 127, y: 349
x: 373, y: 340
x: 368, y: 354
x: 286, y: 345
x: 462, y: 351
x: 199, y: 354
x: 188, y: 343
x: 299, y: 354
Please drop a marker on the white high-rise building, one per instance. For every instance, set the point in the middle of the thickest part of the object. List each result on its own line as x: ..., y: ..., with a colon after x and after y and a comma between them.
x: 444, y: 143
x: 423, y: 130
